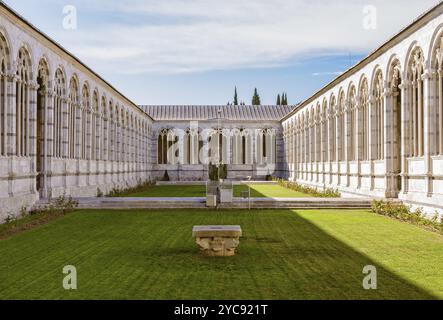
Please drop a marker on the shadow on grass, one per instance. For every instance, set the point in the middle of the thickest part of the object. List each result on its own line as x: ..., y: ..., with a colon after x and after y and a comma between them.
x: 319, y: 260
x: 296, y: 260
x: 149, y: 254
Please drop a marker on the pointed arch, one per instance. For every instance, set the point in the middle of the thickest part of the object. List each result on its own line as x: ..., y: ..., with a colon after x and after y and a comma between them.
x: 95, y: 126
x: 363, y: 119
x: 41, y: 121
x: 324, y: 131
x: 377, y: 117
x: 59, y: 97
x: 85, y: 123
x: 332, y: 116
x: 341, y: 135
x: 73, y: 109
x: 351, y: 119
x: 415, y: 93
x: 436, y: 108
x: 22, y: 112
x: 5, y: 63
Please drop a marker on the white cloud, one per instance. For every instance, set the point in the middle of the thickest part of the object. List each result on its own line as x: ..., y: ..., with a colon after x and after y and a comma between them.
x: 334, y: 73
x: 177, y: 36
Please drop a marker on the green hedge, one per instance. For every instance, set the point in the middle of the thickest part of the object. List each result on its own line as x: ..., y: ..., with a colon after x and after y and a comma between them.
x: 327, y: 193
x: 118, y: 192
x: 402, y: 212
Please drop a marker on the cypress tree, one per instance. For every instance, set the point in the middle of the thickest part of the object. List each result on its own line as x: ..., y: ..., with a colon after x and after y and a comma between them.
x: 284, y: 99
x: 278, y: 100
x: 256, y: 98
x: 235, y: 97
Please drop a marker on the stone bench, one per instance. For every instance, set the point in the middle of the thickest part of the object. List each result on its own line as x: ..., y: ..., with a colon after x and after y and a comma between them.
x: 217, y: 241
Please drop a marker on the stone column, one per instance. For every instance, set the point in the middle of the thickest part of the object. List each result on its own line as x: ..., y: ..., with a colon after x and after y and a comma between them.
x: 181, y: 147
x: 405, y: 134
x: 371, y: 139
x: 330, y: 146
x: 347, y: 136
x: 11, y: 109
x: 65, y: 129
x: 32, y: 134
x: 337, y: 144
x: 388, y: 147
x: 227, y: 138
x: 88, y: 151
x: 428, y: 78
x: 48, y: 141
x: 320, y: 147
x: 358, y: 139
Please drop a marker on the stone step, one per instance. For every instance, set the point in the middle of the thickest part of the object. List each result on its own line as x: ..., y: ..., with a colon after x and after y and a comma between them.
x: 138, y: 203
x: 200, y: 203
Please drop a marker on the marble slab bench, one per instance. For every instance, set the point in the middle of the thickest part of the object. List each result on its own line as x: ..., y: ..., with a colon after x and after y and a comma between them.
x: 217, y: 241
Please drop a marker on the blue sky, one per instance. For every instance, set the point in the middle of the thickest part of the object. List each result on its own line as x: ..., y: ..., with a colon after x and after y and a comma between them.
x: 196, y: 51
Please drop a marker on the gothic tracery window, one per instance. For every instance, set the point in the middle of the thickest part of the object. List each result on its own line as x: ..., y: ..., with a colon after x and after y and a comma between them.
x: 415, y: 95
x: 379, y: 114
x: 4, y: 66
x: 23, y: 102
x: 363, y: 121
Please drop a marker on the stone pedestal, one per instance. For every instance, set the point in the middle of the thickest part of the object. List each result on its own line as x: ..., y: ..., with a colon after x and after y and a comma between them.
x: 226, y: 194
x: 211, y: 200
x: 217, y: 241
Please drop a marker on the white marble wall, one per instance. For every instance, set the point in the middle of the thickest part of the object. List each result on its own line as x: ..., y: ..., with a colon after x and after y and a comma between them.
x: 395, y: 167
x: 39, y: 172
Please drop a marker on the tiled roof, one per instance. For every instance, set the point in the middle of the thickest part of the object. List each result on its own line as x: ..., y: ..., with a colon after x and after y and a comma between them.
x: 251, y: 113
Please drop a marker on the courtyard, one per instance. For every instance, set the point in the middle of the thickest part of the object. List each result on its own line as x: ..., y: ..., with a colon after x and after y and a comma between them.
x: 283, y: 254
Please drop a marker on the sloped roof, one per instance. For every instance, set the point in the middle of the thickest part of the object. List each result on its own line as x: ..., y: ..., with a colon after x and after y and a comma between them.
x: 241, y: 113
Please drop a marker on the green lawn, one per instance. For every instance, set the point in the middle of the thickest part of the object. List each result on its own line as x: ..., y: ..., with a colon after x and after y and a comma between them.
x: 170, y: 191
x: 257, y: 191
x: 269, y: 191
x: 284, y: 254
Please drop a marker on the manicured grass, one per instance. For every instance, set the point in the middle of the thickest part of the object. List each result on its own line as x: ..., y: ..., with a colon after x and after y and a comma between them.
x: 170, y: 191
x: 257, y: 191
x: 269, y: 191
x: 284, y: 254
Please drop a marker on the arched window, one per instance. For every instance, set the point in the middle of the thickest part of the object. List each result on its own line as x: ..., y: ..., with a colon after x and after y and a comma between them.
x: 4, y: 66
x: 59, y: 96
x: 396, y: 105
x: 415, y: 96
x: 105, y: 131
x: 317, y: 124
x: 217, y: 146
x: 324, y: 136
x: 303, y: 137
x: 312, y: 141
x: 187, y: 147
x: 263, y: 141
x: 111, y: 132
x: 95, y: 129
x: 116, y: 138
x: 436, y: 127
x: 85, y: 124
x: 243, y: 147
x: 72, y: 116
x: 363, y: 121
x: 351, y: 119
x: 22, y: 102
x: 332, y: 129
x: 379, y: 115
x: 162, y: 147
x: 341, y: 127
x: 42, y: 81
